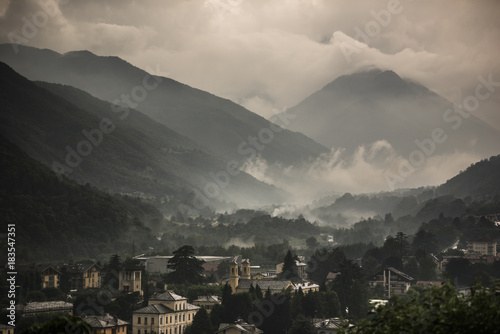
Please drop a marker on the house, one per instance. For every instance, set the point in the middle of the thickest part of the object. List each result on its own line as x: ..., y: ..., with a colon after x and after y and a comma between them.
x: 482, y: 246
x: 130, y: 279
x: 393, y: 281
x: 306, y: 287
x: 329, y: 326
x: 6, y: 329
x: 92, y: 277
x: 207, y: 302
x: 166, y: 313
x: 36, y: 308
x: 51, y: 277
x: 244, y: 283
x: 238, y: 327
x: 106, y: 324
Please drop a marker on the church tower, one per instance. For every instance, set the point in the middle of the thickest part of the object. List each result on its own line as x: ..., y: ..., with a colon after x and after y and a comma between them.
x: 233, y: 275
x: 245, y: 268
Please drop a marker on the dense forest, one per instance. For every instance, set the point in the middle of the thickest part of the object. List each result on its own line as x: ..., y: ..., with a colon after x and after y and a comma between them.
x: 58, y: 220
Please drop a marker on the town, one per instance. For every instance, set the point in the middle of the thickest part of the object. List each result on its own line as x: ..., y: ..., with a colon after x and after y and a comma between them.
x: 189, y: 293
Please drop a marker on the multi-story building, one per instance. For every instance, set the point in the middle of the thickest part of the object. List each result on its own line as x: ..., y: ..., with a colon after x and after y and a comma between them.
x: 92, y: 277
x: 166, y: 313
x: 207, y: 302
x: 393, y: 281
x: 50, y: 277
x: 483, y: 246
x: 129, y: 279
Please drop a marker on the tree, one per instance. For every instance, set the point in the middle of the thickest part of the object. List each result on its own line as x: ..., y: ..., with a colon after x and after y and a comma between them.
x: 426, y: 241
x: 312, y: 243
x: 111, y: 272
x: 187, y: 268
x: 438, y: 310
x: 223, y: 269
x: 302, y: 325
x: 201, y: 324
x: 322, y: 262
x: 289, y: 267
x: 351, y: 290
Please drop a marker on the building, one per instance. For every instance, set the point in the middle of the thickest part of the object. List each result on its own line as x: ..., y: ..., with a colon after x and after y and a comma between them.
x: 6, y: 329
x: 238, y: 327
x: 244, y: 283
x: 166, y: 313
x: 36, y: 308
x: 106, y: 324
x: 306, y: 287
x: 301, y: 269
x: 393, y: 281
x: 482, y: 246
x: 207, y: 302
x: 92, y: 277
x: 130, y: 279
x: 50, y: 277
x: 329, y: 326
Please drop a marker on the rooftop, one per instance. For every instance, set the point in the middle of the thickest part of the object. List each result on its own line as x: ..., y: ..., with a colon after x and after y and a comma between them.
x: 167, y: 296
x: 103, y: 321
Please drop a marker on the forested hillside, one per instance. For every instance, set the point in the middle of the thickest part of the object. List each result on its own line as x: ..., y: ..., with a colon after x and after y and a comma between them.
x: 58, y: 220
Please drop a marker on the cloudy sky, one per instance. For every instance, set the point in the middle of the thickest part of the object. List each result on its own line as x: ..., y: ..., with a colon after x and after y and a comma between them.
x: 268, y: 55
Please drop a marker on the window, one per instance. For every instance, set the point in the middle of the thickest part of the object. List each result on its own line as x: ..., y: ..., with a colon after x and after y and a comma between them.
x: 139, y: 320
x: 145, y: 321
x: 152, y: 321
x: 184, y: 317
x: 138, y: 331
x: 161, y: 320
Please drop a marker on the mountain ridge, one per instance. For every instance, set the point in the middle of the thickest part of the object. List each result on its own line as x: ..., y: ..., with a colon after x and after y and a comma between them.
x: 220, y: 125
x: 137, y: 155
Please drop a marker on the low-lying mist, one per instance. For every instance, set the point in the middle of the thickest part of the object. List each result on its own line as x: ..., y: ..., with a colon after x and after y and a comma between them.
x: 370, y: 168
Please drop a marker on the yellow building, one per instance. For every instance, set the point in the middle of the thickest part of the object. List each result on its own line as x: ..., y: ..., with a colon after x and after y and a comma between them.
x: 106, y: 324
x: 6, y: 329
x: 207, y: 302
x: 92, y: 277
x: 50, y: 277
x: 129, y: 280
x: 166, y: 313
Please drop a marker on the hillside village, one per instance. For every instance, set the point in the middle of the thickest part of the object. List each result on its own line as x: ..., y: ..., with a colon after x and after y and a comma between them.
x: 146, y: 299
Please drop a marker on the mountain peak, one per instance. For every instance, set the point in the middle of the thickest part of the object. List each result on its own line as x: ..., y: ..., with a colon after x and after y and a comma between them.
x: 373, y: 81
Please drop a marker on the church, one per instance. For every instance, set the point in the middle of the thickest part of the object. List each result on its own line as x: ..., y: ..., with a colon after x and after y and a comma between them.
x: 242, y: 284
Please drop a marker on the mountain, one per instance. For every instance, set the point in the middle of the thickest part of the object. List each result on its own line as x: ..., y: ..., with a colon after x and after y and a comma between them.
x: 366, y: 107
x: 222, y: 126
x: 59, y: 219
x: 125, y: 151
x: 480, y: 179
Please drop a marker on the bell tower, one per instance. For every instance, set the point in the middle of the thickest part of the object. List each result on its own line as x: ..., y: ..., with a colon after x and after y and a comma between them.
x: 233, y: 275
x: 245, y: 268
